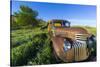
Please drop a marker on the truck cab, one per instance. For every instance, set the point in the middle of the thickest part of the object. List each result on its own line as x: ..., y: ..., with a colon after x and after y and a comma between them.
x: 70, y: 43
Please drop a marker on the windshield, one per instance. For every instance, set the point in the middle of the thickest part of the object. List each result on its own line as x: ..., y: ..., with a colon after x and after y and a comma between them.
x: 61, y: 24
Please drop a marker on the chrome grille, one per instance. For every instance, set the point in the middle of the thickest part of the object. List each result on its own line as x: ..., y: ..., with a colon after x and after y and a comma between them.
x: 80, y: 52
x: 82, y: 37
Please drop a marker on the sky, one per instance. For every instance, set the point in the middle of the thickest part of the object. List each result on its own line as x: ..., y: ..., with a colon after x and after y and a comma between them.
x: 76, y: 14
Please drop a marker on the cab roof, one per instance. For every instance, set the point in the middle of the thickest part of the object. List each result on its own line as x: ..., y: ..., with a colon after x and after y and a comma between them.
x: 55, y: 20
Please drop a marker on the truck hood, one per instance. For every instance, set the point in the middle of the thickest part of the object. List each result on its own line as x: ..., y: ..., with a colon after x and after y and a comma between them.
x: 75, y: 30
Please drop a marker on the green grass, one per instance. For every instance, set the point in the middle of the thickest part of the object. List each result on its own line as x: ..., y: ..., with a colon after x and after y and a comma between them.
x: 90, y: 29
x: 32, y: 46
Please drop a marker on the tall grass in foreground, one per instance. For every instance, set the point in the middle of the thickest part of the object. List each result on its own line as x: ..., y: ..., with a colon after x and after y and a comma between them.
x: 32, y: 46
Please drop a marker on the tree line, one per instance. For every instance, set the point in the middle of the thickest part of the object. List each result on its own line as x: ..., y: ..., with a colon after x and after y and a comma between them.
x: 25, y: 17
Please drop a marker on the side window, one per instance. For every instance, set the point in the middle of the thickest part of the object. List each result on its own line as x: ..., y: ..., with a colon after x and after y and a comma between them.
x: 66, y: 24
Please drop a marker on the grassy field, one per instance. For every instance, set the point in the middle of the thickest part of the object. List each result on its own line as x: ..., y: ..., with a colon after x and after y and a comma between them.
x: 92, y: 30
x: 32, y: 46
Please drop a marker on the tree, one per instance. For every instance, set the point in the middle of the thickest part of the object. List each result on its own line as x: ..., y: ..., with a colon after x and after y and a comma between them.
x: 26, y: 16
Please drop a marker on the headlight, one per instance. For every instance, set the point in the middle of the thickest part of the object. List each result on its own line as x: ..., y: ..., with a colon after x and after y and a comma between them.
x: 66, y: 45
x: 91, y: 40
x: 94, y: 38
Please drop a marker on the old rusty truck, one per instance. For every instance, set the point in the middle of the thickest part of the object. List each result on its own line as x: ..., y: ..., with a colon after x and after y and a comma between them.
x: 70, y: 43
